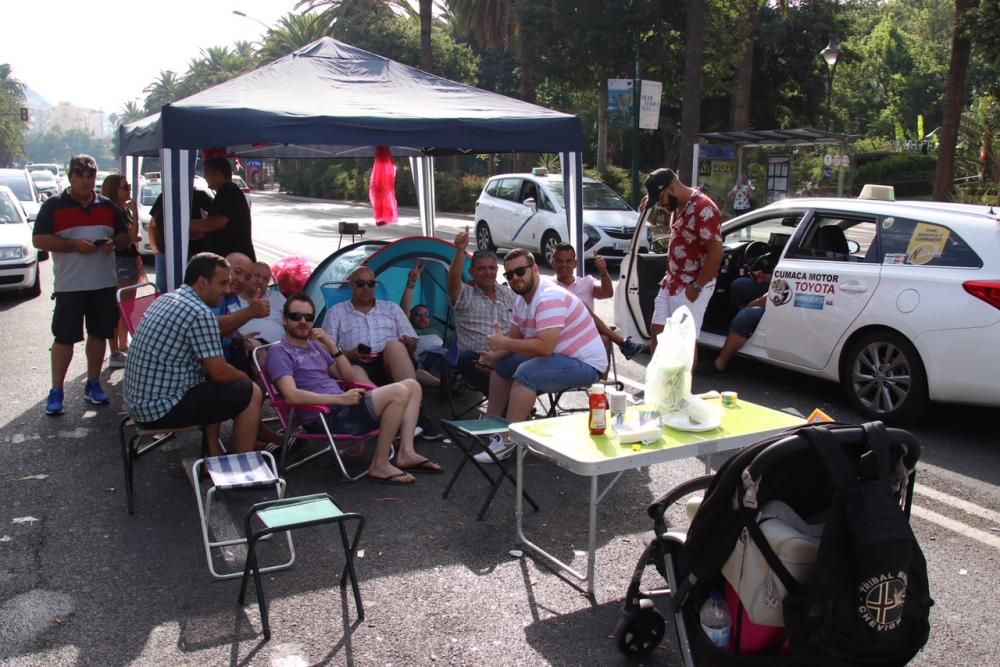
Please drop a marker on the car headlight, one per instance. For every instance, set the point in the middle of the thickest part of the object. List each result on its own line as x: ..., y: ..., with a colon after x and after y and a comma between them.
x: 592, y: 233
x: 13, y: 252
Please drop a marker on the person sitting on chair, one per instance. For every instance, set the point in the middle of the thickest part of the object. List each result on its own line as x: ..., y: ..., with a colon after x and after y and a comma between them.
x: 304, y: 367
x: 376, y: 336
x: 750, y: 295
x: 427, y: 357
x: 552, y: 345
x: 479, y: 309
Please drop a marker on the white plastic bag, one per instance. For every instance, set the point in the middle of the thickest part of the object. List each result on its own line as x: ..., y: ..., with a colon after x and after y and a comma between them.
x: 668, y: 375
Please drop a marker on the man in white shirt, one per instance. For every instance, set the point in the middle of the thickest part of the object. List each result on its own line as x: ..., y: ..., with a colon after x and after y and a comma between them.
x: 587, y: 289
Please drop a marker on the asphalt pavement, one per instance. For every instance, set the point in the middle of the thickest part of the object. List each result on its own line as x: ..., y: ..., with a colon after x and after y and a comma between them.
x: 84, y: 583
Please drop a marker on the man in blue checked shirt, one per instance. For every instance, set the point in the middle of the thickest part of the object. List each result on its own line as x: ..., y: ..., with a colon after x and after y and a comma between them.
x: 176, y: 374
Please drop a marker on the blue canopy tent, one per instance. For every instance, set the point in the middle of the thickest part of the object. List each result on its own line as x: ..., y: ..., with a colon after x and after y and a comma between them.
x: 330, y: 99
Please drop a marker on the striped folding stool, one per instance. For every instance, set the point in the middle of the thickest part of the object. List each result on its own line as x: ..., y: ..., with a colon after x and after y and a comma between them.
x: 249, y: 470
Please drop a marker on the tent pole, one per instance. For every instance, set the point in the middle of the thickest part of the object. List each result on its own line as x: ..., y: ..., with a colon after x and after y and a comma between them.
x: 572, y: 169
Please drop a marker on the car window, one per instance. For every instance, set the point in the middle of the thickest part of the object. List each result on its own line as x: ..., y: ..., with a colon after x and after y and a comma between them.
x: 596, y: 197
x: 491, y: 187
x: 19, y: 184
x: 149, y: 193
x: 837, y: 238
x: 8, y: 210
x: 775, y: 231
x: 508, y: 189
x: 905, y: 241
x: 528, y: 191
x: 545, y: 202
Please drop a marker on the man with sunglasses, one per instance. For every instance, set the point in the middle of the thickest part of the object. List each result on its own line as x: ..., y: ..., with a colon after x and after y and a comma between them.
x: 81, y: 229
x: 479, y: 309
x: 552, y: 345
x: 305, y: 367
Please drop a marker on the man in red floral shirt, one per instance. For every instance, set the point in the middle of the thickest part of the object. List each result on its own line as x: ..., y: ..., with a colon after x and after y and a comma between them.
x: 695, y: 250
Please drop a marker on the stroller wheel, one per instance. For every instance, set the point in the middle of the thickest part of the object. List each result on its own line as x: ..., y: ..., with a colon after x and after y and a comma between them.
x: 640, y: 634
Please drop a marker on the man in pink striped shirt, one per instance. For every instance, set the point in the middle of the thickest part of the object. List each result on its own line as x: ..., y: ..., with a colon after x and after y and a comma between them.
x: 552, y: 345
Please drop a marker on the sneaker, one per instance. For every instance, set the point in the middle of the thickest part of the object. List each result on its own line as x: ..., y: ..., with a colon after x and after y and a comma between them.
x: 630, y: 348
x: 93, y: 392
x: 274, y: 449
x: 117, y: 360
x: 429, y: 430
x: 501, y: 449
x: 54, y: 406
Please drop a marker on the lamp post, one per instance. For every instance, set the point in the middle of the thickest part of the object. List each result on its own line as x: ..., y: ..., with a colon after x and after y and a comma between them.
x: 247, y: 16
x: 830, y: 54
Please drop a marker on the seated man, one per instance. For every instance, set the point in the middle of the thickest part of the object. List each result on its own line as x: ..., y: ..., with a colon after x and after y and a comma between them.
x: 750, y: 295
x: 176, y: 375
x: 552, y: 345
x: 234, y: 315
x: 479, y: 309
x: 430, y: 346
x: 304, y: 365
x: 587, y: 289
x: 266, y: 329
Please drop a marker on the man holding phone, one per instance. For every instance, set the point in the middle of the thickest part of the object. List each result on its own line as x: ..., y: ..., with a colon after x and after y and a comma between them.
x: 81, y: 229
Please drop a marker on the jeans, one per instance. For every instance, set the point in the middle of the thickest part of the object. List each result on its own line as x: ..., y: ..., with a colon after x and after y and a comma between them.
x: 547, y: 374
x: 160, y: 261
x: 476, y: 377
x: 744, y: 290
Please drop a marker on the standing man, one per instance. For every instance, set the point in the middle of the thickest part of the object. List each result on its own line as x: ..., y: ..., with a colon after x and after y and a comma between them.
x: 479, y: 309
x: 201, y: 201
x: 227, y: 226
x: 81, y: 229
x: 587, y: 289
x: 552, y: 345
x: 176, y: 374
x: 695, y: 250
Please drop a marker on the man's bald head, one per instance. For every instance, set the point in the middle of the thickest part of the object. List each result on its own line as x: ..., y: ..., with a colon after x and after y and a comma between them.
x: 363, y: 286
x: 241, y: 267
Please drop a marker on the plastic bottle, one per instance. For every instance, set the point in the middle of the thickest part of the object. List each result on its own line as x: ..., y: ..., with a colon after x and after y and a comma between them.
x: 598, y: 409
x: 715, y: 620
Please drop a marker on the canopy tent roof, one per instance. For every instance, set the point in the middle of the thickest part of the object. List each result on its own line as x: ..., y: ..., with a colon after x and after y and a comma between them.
x: 799, y: 137
x: 330, y: 99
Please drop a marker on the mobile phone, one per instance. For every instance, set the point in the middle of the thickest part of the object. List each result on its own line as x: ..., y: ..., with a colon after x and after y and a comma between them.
x: 364, y: 349
x: 100, y: 242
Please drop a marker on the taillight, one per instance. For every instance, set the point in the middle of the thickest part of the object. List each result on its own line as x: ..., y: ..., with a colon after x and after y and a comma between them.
x: 987, y: 290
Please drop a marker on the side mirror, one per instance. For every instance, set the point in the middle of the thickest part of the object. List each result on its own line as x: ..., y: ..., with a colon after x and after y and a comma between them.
x: 853, y: 247
x: 531, y: 203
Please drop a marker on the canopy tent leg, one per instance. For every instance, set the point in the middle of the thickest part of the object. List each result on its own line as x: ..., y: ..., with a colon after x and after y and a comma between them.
x: 422, y: 168
x: 178, y: 170
x: 572, y: 169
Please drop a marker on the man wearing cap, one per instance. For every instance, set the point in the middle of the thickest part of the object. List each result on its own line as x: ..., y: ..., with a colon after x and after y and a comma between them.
x: 81, y: 229
x: 695, y: 250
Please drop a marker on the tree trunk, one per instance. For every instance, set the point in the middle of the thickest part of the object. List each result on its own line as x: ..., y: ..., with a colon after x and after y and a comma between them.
x: 694, y: 44
x: 744, y: 73
x: 426, y: 17
x: 954, y: 102
x: 602, y: 126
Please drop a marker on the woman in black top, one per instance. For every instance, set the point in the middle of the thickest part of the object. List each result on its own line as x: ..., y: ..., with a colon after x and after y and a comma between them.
x: 128, y: 261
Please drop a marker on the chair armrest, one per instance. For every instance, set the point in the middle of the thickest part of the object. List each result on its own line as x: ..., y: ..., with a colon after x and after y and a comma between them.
x: 308, y: 407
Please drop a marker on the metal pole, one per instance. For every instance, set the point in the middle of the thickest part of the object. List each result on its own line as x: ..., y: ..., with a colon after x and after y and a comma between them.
x: 829, y: 94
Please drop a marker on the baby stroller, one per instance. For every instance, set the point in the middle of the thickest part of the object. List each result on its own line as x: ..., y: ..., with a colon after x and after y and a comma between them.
x: 772, y: 515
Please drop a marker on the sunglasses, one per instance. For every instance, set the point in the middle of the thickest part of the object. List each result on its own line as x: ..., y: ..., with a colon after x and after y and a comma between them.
x: 298, y: 317
x: 88, y: 171
x: 422, y: 313
x: 364, y: 283
x: 519, y: 272
x: 125, y: 186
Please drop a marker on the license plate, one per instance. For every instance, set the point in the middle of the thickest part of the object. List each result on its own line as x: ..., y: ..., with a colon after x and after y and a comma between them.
x: 622, y: 245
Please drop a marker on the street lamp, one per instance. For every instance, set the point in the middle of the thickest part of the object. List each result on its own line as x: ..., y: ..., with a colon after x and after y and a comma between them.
x: 247, y: 16
x: 830, y: 54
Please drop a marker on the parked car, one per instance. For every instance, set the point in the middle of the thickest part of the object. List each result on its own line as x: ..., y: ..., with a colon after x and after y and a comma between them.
x: 18, y: 256
x: 238, y: 180
x: 898, y: 301
x: 528, y: 211
x: 19, y: 181
x: 46, y: 182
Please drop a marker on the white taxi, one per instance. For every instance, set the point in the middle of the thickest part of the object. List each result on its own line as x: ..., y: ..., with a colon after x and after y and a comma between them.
x: 899, y: 302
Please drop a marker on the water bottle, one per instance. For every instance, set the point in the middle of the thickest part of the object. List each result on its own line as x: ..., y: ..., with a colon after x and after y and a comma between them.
x: 715, y: 620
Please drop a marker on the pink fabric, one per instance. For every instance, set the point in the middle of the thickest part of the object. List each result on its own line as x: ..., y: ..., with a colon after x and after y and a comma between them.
x: 292, y: 274
x: 552, y: 307
x: 382, y: 191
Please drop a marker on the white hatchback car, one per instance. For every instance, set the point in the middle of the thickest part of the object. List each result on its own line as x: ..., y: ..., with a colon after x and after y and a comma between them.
x: 898, y: 301
x: 528, y: 211
x: 18, y: 256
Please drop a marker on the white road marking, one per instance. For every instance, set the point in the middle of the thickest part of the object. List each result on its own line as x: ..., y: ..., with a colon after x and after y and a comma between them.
x: 956, y: 526
x: 958, y: 503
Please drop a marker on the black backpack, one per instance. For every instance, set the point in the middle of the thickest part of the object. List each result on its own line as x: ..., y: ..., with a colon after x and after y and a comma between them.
x: 868, y: 601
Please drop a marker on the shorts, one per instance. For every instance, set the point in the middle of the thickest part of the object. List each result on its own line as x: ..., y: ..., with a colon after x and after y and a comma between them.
x: 97, y: 307
x: 746, y: 321
x: 377, y: 372
x: 547, y: 374
x: 127, y: 269
x: 207, y: 403
x: 666, y: 304
x: 349, y: 419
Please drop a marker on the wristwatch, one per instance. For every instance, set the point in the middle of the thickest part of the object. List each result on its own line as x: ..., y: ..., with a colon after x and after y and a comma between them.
x: 695, y: 285
x: 339, y: 352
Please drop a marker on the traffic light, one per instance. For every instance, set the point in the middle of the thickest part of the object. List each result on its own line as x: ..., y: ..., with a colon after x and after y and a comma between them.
x: 24, y: 114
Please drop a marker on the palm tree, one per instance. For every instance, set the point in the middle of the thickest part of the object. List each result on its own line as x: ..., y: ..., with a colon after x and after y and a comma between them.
x: 12, y: 129
x: 130, y: 112
x: 292, y: 32
x: 162, y: 91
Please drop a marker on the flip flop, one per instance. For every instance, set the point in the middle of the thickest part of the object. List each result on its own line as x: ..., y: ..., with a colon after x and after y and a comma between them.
x: 391, y: 479
x: 424, y: 466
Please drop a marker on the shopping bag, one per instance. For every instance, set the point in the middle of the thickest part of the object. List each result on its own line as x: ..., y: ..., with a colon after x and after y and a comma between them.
x: 668, y: 375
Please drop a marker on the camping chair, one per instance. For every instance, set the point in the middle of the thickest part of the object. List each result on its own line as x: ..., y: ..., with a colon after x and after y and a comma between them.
x: 248, y: 470
x: 135, y: 446
x: 336, y: 443
x: 451, y: 377
x: 550, y: 402
x: 352, y: 228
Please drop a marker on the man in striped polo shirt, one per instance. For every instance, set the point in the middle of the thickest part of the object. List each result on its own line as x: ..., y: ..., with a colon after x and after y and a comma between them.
x: 81, y: 229
x: 552, y: 345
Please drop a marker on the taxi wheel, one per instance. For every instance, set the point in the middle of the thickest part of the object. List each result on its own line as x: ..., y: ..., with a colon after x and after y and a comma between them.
x: 484, y: 239
x: 885, y: 378
x: 549, y: 242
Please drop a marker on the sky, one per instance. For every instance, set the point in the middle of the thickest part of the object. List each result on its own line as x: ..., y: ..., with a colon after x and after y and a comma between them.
x: 100, y: 55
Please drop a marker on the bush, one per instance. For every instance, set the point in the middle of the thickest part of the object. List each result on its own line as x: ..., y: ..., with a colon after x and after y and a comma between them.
x: 911, y: 174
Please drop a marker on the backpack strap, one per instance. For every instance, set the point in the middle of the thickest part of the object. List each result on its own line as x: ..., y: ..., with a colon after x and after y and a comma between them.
x: 832, y: 456
x: 750, y: 521
x: 878, y: 442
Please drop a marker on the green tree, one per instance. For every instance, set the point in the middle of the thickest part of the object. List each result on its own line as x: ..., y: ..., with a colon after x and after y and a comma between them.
x: 292, y: 32
x: 162, y: 91
x: 12, y: 128
x: 954, y: 102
